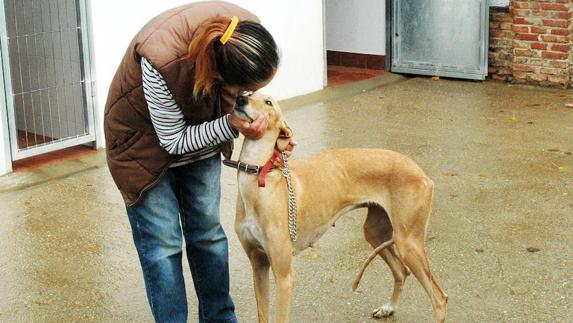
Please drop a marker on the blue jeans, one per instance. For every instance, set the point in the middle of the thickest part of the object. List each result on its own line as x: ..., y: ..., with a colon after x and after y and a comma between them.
x: 185, y: 203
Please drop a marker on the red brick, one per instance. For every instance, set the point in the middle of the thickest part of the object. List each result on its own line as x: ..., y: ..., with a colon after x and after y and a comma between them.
x: 554, y: 55
x: 559, y: 79
x: 500, y: 34
x: 536, y: 61
x: 539, y: 46
x: 525, y: 5
x: 555, y: 39
x: 499, y: 77
x: 556, y: 23
x: 523, y: 52
x: 561, y: 15
x: 520, y: 44
x: 505, y: 25
x: 537, y: 30
x: 521, y: 60
x: 522, y: 68
x: 501, y: 17
x: 493, y: 25
x: 531, y: 37
x: 554, y: 6
x: 560, y: 48
x: 550, y: 71
x: 504, y: 70
x: 520, y: 29
x: 557, y: 64
x: 505, y: 43
x: 564, y: 32
x: 537, y: 77
x: 522, y: 21
x: 540, y: 13
x: 520, y: 75
x: 521, y: 13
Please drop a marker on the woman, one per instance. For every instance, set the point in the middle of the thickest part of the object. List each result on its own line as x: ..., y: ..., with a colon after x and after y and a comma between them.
x: 167, y: 119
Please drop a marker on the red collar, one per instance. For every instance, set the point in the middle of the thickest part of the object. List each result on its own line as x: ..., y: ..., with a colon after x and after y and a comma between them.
x: 268, y: 166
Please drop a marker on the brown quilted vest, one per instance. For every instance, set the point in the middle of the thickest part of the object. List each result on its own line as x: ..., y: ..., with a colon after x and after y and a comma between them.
x: 135, y: 158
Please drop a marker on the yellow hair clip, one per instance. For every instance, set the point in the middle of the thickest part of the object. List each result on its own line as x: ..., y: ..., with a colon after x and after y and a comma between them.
x: 229, y: 30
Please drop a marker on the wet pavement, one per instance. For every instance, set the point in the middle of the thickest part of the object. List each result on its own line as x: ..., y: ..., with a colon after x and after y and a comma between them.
x: 500, y: 234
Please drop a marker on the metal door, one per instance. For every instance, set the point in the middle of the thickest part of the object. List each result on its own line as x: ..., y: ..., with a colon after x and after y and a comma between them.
x: 440, y: 37
x: 47, y: 75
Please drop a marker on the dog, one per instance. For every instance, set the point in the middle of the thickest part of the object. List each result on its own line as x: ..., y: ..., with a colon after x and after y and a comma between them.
x: 394, y: 189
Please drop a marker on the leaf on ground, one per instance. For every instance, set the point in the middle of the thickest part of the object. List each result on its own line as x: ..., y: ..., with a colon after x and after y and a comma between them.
x: 533, y: 249
x: 312, y: 255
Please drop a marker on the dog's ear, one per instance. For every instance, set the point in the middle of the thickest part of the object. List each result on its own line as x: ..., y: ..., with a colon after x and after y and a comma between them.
x: 284, y: 136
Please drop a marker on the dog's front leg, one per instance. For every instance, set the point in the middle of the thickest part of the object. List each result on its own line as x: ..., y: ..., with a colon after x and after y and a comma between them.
x: 260, y: 264
x: 281, y: 263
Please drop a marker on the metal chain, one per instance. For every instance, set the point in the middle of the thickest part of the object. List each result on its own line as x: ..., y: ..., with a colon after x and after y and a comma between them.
x: 291, y: 199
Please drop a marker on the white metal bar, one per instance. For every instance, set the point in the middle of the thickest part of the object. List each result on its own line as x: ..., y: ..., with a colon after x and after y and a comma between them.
x: 55, y: 145
x: 5, y: 51
x: 88, y: 60
x: 38, y: 68
x: 29, y: 63
x: 72, y: 68
x: 7, y: 155
x: 58, y: 107
x: 65, y: 98
x: 44, y: 53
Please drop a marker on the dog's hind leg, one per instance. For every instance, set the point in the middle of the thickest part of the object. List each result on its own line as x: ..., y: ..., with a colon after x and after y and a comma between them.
x: 378, y: 229
x: 410, y: 223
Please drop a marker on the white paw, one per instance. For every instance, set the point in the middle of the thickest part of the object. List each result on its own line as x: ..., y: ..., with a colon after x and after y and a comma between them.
x: 383, y: 311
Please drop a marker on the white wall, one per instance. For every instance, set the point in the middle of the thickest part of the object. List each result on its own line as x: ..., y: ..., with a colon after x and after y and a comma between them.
x: 356, y: 26
x: 296, y: 25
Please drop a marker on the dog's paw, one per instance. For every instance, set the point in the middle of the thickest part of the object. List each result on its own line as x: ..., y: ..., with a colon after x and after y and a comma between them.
x: 383, y: 311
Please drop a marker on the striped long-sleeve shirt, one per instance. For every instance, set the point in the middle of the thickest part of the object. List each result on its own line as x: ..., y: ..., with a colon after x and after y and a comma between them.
x: 193, y: 142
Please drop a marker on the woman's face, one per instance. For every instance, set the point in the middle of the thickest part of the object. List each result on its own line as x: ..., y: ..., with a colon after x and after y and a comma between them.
x: 235, y: 90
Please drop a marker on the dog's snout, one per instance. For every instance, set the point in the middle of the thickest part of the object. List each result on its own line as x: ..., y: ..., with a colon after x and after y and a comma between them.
x: 241, y: 100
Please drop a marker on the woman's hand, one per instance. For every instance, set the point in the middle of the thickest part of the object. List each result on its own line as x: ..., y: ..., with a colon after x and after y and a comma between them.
x: 252, y: 130
x: 288, y: 150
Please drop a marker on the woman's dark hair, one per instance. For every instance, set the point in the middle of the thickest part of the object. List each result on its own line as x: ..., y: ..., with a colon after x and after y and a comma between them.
x: 250, y: 56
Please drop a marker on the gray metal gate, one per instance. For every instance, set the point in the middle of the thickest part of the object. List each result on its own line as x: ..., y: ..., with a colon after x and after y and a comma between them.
x: 47, y: 75
x: 440, y: 37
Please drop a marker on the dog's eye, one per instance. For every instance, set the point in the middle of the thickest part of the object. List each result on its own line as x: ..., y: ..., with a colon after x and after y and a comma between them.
x: 269, y: 103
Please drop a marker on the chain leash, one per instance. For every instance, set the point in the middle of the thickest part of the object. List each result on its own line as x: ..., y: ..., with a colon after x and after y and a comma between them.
x: 291, y: 199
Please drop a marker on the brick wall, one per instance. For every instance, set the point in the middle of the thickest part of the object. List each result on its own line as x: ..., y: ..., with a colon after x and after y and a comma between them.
x: 531, y: 42
x: 501, y: 37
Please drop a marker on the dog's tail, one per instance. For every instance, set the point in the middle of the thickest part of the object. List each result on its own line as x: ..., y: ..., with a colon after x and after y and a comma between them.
x: 367, y: 262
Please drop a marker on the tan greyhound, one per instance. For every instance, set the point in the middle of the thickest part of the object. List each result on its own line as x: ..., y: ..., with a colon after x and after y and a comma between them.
x: 395, y: 190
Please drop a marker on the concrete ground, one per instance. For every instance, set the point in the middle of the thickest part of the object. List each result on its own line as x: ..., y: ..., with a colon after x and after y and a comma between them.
x: 500, y: 235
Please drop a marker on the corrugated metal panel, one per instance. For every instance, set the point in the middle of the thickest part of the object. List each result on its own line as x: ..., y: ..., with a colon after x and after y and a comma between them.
x: 440, y: 37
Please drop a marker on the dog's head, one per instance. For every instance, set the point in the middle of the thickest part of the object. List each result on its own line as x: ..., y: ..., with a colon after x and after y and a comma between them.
x: 250, y: 106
